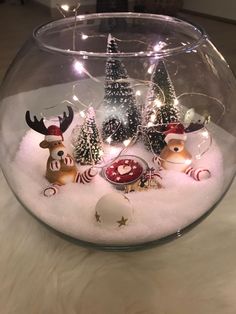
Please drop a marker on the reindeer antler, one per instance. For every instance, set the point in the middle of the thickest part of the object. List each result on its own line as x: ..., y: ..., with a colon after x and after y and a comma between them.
x: 37, y: 125
x: 65, y: 121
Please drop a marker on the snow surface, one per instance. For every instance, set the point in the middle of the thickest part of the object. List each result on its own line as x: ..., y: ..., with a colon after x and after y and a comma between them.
x: 156, y: 213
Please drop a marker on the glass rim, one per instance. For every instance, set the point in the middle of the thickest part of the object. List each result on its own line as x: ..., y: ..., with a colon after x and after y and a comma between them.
x: 140, y: 54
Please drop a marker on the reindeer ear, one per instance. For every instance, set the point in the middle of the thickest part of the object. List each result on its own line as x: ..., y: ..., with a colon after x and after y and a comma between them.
x: 44, y: 144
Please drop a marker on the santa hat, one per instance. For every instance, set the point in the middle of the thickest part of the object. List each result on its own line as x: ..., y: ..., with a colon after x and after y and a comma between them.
x: 175, y: 131
x: 54, y: 133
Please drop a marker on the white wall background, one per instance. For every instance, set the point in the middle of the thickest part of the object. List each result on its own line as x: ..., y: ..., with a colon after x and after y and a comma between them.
x: 221, y: 8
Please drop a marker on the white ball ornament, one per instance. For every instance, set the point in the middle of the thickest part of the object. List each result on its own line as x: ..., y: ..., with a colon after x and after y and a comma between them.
x: 113, y: 210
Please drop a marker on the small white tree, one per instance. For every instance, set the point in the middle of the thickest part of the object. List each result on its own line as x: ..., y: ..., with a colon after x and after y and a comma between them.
x: 88, y: 147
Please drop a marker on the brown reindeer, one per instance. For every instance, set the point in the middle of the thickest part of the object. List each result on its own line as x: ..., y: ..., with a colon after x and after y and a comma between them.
x: 61, y: 167
x: 175, y: 156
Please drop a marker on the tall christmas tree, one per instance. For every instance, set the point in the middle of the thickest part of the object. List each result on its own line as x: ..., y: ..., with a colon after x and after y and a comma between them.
x: 88, y: 147
x: 121, y: 113
x: 161, y: 108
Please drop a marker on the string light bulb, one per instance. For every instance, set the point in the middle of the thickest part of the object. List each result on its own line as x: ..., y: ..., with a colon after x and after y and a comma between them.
x: 153, y: 117
x: 188, y: 161
x: 78, y: 66
x: 176, y: 102
x: 82, y: 114
x: 157, y: 103
x: 127, y: 142
x: 75, y: 98
x: 205, y: 134
x: 65, y: 7
x: 84, y: 36
x: 109, y: 140
x: 159, y: 46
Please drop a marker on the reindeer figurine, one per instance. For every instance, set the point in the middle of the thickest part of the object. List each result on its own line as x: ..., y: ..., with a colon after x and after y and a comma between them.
x: 61, y: 167
x: 174, y: 156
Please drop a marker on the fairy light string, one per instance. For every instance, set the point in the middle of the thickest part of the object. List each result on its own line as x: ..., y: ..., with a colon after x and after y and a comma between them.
x: 76, y: 103
x: 140, y: 131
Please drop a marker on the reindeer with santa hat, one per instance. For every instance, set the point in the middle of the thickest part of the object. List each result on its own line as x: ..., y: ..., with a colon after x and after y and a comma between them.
x: 61, y: 167
x: 175, y: 156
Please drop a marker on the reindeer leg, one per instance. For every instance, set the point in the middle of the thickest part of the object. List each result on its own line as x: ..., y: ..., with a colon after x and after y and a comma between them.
x: 86, y: 176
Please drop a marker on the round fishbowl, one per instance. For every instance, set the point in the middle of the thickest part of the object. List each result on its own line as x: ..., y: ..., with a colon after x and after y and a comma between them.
x: 118, y: 129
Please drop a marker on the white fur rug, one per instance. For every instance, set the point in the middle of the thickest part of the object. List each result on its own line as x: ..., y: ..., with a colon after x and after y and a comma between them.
x: 40, y: 273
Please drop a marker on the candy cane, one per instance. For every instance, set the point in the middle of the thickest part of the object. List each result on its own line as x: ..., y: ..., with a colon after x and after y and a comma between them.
x: 198, y: 174
x: 86, y: 176
x: 157, y: 161
x: 51, y: 190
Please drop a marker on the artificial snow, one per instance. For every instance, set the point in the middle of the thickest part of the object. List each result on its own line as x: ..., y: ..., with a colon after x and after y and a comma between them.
x: 155, y: 214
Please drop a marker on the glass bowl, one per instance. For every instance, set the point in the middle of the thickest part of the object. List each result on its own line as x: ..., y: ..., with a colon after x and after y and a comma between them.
x: 146, y: 95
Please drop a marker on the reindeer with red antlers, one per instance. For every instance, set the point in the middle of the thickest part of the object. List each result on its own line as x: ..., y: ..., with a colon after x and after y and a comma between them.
x: 61, y: 167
